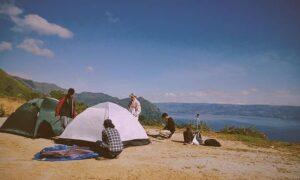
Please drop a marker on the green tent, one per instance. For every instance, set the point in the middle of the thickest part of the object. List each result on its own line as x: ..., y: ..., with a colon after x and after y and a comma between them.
x: 36, y: 118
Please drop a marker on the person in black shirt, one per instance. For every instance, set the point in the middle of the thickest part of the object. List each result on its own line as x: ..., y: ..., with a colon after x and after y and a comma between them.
x: 65, y: 109
x: 170, y: 125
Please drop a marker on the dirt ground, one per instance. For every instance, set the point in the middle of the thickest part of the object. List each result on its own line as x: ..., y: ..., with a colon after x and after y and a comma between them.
x: 162, y: 159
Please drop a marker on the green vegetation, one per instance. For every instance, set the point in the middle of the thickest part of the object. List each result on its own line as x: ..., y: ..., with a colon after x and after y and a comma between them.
x: 144, y: 121
x: 57, y: 94
x: 246, y: 131
x: 291, y: 148
x: 40, y: 87
x: 202, y: 127
x: 80, y: 106
x: 10, y: 87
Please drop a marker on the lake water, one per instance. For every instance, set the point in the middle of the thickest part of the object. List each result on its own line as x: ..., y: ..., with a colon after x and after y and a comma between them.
x: 275, y: 129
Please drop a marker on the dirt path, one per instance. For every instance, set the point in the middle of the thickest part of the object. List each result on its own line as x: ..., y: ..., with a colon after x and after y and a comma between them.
x: 162, y: 159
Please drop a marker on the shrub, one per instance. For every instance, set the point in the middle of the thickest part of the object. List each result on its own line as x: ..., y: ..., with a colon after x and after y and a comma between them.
x: 145, y: 121
x: 57, y: 94
x: 80, y: 106
x: 203, y: 126
x: 247, y: 131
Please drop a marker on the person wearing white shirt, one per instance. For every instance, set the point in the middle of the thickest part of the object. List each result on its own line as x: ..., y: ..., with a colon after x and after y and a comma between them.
x: 134, y: 105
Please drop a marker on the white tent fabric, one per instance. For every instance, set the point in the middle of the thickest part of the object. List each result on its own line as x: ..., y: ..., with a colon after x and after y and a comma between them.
x: 88, y: 125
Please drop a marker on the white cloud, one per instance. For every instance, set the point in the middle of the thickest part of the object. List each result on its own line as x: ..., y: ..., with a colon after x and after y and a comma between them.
x: 33, y: 22
x: 34, y: 46
x: 89, y: 69
x: 5, y: 46
x: 111, y: 18
x: 10, y: 10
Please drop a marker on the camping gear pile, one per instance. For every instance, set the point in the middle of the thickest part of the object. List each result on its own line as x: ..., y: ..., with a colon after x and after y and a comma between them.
x: 65, y: 153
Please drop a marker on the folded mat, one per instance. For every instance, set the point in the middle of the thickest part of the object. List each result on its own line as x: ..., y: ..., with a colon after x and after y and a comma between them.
x: 65, y: 153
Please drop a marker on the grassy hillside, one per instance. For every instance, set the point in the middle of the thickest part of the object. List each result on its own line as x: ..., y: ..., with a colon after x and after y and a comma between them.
x: 9, y: 105
x: 11, y: 87
x: 91, y: 99
x: 150, y: 113
x: 40, y: 87
x: 17, y: 87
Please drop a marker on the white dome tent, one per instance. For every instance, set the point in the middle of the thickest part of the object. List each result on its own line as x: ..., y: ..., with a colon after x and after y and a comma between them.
x: 88, y: 125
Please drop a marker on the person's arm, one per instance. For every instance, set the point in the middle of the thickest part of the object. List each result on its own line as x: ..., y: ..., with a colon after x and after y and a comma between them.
x: 104, y: 139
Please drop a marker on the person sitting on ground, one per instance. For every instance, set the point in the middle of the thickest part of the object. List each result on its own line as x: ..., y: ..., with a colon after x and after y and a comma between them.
x: 188, y: 135
x: 134, y: 105
x: 111, y: 145
x: 65, y: 109
x: 170, y: 125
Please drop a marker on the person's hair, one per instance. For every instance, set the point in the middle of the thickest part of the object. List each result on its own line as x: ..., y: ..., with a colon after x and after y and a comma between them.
x: 164, y: 115
x: 71, y: 91
x: 108, y: 124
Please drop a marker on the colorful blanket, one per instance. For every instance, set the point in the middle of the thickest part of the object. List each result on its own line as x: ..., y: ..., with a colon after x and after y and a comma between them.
x: 65, y: 153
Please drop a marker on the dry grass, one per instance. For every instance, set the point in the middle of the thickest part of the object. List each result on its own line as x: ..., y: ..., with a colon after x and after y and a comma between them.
x: 10, y: 104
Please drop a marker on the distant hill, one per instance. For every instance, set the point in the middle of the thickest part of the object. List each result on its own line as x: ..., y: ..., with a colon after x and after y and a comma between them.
x: 269, y: 111
x: 149, y: 110
x: 14, y: 86
x: 40, y: 87
x: 91, y: 98
x: 11, y: 87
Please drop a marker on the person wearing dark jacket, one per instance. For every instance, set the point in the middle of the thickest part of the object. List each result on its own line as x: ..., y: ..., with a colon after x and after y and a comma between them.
x: 65, y: 109
x: 170, y: 125
x: 111, y: 145
x: 188, y: 135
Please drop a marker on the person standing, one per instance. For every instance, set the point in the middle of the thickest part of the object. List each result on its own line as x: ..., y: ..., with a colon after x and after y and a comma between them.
x: 134, y: 105
x: 65, y: 109
x: 111, y: 145
x: 170, y: 125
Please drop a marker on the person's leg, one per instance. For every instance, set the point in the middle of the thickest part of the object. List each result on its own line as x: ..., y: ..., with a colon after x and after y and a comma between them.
x: 68, y: 120
x: 62, y: 120
x: 102, y: 150
x: 65, y: 121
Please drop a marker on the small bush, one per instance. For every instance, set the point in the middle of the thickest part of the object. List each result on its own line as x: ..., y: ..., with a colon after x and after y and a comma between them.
x: 247, y: 131
x: 80, y: 106
x: 204, y: 127
x: 57, y: 94
x: 148, y: 122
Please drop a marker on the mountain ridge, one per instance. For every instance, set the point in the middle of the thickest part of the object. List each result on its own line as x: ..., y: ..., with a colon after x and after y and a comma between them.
x: 18, y: 87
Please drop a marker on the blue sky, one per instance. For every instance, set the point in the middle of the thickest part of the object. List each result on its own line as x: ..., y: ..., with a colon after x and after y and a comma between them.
x: 240, y: 52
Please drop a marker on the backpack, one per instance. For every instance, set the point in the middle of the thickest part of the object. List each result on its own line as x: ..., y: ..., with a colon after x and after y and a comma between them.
x: 212, y: 142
